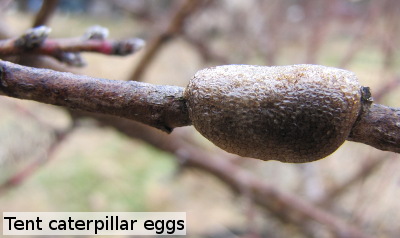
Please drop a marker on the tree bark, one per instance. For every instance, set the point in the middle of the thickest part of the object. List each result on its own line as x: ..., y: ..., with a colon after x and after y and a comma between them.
x: 159, y: 106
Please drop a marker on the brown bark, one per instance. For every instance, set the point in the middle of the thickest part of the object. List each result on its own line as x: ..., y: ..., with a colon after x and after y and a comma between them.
x: 378, y: 126
x: 162, y: 107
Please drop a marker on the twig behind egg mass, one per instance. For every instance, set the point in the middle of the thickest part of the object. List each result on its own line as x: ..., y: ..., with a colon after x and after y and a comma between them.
x: 35, y: 42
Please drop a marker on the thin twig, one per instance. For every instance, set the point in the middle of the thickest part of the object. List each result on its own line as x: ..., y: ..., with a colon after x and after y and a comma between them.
x: 365, y: 29
x: 273, y: 25
x: 205, y: 50
x: 358, y: 176
x: 35, y: 42
x: 388, y: 87
x: 175, y: 26
x: 45, y: 13
x: 318, y: 26
x: 389, y: 36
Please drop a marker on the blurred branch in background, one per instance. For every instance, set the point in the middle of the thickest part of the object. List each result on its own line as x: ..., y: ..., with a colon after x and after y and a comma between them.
x: 45, y: 13
x: 35, y: 42
x: 30, y: 169
x: 205, y: 51
x: 365, y: 28
x: 389, y: 36
x: 366, y: 170
x: 319, y: 23
x: 287, y: 207
x: 4, y: 4
x: 388, y: 87
x: 174, y: 26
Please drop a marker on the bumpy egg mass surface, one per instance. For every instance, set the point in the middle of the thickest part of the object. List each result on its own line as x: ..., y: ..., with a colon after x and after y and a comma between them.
x: 297, y: 113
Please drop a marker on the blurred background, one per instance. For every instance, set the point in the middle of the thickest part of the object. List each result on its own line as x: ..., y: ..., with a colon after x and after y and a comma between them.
x: 55, y: 160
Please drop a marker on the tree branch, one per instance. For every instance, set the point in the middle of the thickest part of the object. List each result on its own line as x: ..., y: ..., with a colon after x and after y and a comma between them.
x: 378, y: 126
x: 175, y: 26
x: 46, y: 11
x: 162, y: 107
x: 35, y: 41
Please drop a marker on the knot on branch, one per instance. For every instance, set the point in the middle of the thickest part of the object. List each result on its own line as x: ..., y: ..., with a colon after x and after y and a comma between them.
x: 33, y: 38
x: 96, y: 33
x: 71, y: 58
x: 126, y: 47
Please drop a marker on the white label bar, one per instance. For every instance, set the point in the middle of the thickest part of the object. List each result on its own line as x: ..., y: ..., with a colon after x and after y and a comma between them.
x: 94, y: 223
